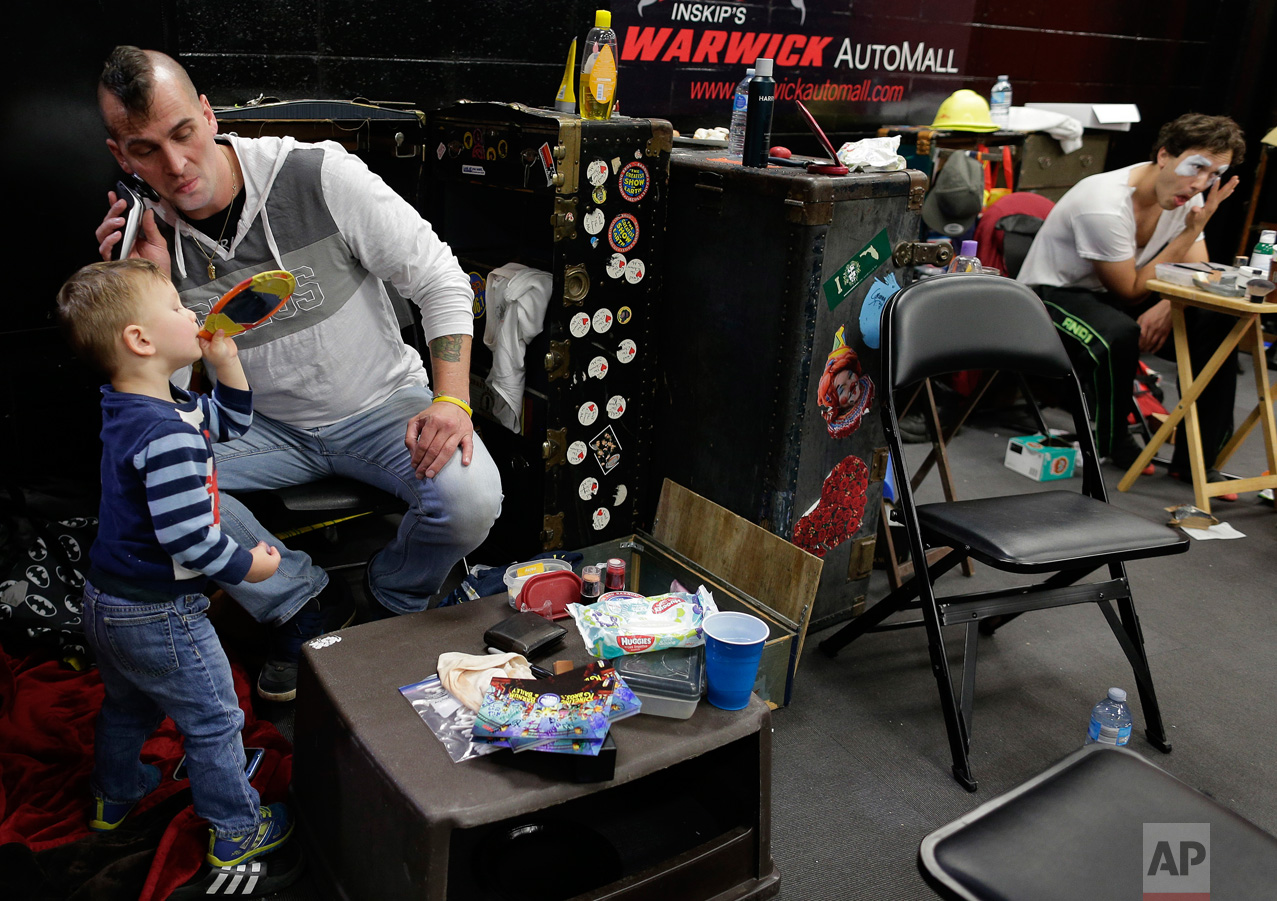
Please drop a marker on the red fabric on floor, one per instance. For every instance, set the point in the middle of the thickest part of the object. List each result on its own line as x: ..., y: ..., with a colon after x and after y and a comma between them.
x: 47, y: 715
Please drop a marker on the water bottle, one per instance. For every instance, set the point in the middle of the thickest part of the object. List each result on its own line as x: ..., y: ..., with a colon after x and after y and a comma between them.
x: 966, y: 261
x: 1000, y: 103
x: 1111, y: 720
x: 740, y: 103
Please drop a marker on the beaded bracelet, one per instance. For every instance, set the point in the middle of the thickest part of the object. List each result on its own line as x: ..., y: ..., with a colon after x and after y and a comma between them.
x: 449, y: 399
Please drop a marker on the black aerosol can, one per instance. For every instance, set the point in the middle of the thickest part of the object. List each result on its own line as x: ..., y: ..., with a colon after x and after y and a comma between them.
x: 758, y: 116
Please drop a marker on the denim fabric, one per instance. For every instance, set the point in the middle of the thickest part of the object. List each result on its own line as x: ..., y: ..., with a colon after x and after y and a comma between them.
x: 448, y: 516
x: 161, y: 660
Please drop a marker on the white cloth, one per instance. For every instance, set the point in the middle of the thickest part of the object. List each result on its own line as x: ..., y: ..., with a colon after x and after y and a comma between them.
x: 1065, y: 129
x: 872, y: 155
x: 517, y: 297
x: 1095, y: 221
x: 465, y: 676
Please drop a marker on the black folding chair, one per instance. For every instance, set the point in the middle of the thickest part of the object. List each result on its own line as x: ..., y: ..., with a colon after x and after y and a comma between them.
x: 956, y: 322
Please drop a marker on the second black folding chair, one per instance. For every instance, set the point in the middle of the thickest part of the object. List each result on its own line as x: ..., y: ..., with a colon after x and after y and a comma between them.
x: 957, y: 322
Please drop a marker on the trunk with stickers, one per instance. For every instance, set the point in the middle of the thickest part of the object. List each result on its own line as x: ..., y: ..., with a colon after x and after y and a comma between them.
x: 768, y: 342
x: 560, y: 222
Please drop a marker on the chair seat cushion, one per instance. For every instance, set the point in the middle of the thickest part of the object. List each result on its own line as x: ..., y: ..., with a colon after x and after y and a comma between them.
x: 1077, y: 831
x: 1038, y: 532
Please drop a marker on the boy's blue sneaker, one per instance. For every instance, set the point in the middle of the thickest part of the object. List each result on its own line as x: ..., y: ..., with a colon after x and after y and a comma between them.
x: 275, y: 828
x: 108, y: 815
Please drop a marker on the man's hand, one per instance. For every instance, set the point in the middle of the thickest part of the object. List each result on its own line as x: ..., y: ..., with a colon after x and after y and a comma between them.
x: 149, y: 244
x: 434, y: 434
x: 1155, y: 326
x: 265, y: 562
x: 1218, y: 192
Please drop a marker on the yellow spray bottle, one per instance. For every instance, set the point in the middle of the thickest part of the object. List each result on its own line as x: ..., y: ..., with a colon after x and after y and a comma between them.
x: 565, y: 100
x: 598, y: 68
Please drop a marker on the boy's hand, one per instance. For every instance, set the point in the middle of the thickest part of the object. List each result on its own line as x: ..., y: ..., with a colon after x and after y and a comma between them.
x: 265, y: 562
x: 219, y: 350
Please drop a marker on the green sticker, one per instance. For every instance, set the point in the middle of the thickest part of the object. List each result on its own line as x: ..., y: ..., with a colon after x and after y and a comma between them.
x: 851, y: 273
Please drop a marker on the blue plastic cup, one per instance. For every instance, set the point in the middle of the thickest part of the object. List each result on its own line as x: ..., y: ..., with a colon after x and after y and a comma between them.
x: 733, y: 648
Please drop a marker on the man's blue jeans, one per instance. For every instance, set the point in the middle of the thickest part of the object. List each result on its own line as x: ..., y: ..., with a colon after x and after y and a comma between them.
x: 448, y: 516
x: 164, y: 659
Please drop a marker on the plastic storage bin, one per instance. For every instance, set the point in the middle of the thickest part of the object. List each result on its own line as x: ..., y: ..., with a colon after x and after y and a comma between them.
x: 518, y: 573
x: 669, y: 683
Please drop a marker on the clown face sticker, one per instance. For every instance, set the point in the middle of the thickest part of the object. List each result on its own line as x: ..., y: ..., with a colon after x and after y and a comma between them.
x: 845, y: 392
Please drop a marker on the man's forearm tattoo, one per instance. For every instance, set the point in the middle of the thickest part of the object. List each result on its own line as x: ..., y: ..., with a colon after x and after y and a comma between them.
x: 446, y: 349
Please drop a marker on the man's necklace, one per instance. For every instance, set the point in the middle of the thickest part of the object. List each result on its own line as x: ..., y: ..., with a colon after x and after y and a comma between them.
x: 212, y: 271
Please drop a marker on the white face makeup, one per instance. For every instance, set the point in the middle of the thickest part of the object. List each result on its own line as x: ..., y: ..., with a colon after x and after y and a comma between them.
x: 1194, y: 165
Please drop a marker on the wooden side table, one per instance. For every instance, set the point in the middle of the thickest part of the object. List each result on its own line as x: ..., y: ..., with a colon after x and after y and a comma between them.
x: 385, y: 813
x: 1246, y: 333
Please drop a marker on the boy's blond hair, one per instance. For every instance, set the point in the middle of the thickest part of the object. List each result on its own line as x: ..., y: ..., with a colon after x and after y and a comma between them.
x: 97, y: 303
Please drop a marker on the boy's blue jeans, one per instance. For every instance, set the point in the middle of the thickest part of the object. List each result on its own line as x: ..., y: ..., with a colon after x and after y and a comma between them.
x: 165, y: 659
x: 448, y: 516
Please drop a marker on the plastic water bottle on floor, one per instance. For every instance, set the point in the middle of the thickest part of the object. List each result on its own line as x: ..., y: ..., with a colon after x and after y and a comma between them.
x: 1111, y: 720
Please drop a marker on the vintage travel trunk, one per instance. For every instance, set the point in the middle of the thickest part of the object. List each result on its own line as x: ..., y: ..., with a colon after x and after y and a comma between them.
x: 767, y: 400
x: 583, y: 201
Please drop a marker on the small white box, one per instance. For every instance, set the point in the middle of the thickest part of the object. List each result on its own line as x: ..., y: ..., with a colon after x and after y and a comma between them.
x: 1104, y: 116
x: 1041, y: 458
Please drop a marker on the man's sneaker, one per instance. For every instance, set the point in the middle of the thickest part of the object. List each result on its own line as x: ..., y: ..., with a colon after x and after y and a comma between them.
x: 275, y: 828
x: 108, y: 815
x: 328, y: 611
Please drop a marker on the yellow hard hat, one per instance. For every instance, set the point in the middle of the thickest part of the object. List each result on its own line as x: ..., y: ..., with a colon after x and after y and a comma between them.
x: 964, y: 111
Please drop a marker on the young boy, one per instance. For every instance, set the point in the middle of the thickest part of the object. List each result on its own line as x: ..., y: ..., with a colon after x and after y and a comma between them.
x: 158, y: 544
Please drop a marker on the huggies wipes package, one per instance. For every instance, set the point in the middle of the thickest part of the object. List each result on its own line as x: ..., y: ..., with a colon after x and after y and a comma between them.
x: 612, y: 627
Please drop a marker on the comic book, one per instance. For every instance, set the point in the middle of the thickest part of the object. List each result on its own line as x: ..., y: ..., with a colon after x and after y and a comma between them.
x: 621, y: 704
x: 572, y: 705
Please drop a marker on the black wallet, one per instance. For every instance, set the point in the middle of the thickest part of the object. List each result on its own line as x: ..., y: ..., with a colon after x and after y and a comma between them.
x: 524, y: 633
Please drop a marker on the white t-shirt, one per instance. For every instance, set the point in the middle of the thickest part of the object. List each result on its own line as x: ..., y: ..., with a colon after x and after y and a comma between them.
x: 1095, y: 220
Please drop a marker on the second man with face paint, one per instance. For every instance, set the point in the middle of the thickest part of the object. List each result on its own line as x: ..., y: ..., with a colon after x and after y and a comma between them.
x: 1098, y: 249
